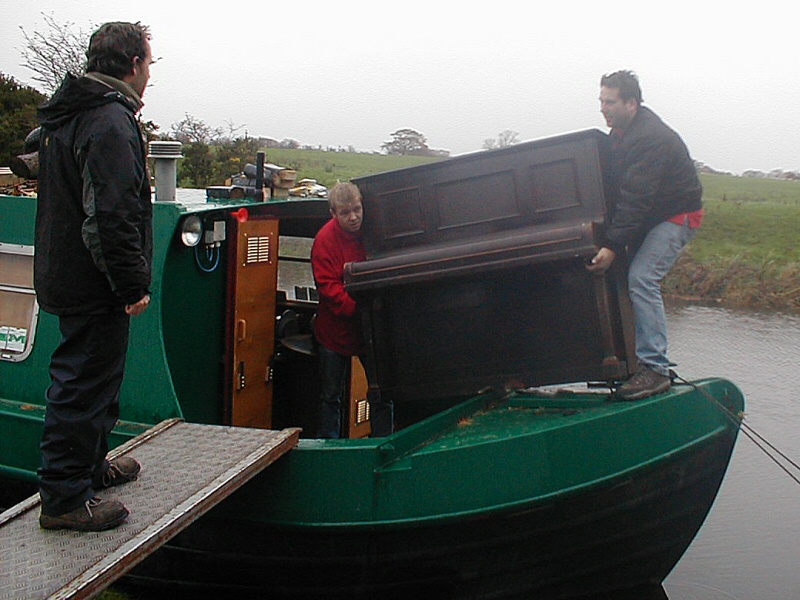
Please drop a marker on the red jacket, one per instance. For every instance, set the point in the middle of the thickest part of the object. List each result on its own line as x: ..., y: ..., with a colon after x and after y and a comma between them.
x: 337, y: 326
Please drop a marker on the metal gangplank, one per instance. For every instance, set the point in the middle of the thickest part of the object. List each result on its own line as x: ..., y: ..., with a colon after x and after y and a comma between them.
x: 186, y: 470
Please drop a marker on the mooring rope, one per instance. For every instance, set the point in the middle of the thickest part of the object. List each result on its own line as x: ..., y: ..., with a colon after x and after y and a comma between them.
x: 759, y: 440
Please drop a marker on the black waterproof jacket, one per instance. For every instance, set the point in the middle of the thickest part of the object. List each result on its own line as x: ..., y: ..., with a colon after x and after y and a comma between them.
x: 650, y: 177
x: 94, y: 215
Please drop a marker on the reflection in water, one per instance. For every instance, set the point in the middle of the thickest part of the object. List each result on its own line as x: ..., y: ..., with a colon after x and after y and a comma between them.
x: 748, y: 546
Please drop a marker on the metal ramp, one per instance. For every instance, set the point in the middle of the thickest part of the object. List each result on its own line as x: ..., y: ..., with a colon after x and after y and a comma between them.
x: 186, y: 470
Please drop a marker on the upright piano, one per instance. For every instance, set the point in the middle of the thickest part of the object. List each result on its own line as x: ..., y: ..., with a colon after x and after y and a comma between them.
x: 476, y: 272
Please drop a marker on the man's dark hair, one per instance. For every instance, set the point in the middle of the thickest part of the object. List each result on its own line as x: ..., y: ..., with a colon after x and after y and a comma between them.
x: 626, y: 82
x: 113, y: 47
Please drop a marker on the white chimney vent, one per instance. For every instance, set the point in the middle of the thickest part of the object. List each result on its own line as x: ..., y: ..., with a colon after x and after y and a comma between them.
x: 165, y: 155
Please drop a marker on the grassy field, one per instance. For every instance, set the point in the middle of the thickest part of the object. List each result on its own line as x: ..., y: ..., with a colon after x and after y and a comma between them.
x: 755, y: 219
x: 747, y: 253
x: 329, y: 167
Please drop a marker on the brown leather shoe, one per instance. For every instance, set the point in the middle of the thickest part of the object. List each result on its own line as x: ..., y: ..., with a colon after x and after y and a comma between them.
x: 95, y: 514
x: 121, y: 470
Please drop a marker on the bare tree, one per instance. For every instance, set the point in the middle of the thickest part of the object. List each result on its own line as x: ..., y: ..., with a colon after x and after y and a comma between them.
x: 231, y: 130
x: 55, y: 51
x: 507, y: 138
x: 504, y: 139
x: 193, y: 130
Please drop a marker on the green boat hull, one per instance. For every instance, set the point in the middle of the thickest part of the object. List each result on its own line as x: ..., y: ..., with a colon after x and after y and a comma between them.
x: 513, y: 497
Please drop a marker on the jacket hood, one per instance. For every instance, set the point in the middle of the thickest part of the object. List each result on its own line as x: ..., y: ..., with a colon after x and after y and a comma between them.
x: 75, y: 95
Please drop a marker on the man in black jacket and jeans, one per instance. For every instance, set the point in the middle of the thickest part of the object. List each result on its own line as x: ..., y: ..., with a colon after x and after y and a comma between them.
x: 656, y: 201
x: 92, y: 269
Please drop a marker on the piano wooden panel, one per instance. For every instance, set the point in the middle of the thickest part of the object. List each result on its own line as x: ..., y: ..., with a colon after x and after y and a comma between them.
x: 476, y: 276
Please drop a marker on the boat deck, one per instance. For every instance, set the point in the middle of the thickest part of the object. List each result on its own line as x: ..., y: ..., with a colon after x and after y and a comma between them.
x: 186, y: 470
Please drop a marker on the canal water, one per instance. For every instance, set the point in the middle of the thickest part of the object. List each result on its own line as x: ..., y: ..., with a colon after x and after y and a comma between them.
x: 748, y: 547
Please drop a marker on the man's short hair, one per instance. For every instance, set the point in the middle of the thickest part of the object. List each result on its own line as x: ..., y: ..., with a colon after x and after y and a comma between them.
x: 626, y: 82
x: 343, y: 193
x: 113, y: 47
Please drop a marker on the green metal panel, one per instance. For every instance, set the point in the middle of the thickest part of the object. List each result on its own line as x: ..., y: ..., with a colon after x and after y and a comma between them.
x: 193, y: 311
x: 18, y: 219
x: 21, y: 424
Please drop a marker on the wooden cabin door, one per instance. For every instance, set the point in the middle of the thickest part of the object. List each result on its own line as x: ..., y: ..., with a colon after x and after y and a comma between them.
x: 252, y: 285
x: 357, y: 421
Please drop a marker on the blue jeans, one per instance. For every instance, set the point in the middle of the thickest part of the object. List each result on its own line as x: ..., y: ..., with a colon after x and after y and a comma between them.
x: 333, y: 369
x: 649, y: 266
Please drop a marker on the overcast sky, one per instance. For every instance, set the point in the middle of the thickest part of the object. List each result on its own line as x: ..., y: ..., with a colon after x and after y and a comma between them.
x: 349, y: 73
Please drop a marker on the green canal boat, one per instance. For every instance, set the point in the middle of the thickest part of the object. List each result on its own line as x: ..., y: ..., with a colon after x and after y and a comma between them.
x: 511, y: 473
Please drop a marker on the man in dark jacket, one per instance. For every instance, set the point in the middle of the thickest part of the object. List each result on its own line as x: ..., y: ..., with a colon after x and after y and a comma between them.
x: 656, y: 201
x: 92, y: 269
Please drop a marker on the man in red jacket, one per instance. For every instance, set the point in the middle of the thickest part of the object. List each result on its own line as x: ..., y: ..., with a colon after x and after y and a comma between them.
x: 337, y: 325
